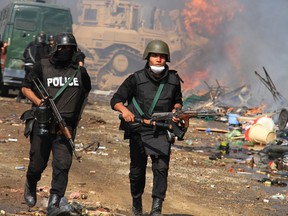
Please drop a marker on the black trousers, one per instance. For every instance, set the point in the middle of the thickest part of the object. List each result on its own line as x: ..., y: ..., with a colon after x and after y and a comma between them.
x: 138, y: 163
x: 40, y: 149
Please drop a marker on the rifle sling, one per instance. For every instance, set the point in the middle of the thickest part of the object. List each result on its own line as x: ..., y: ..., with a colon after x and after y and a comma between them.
x: 156, y: 98
x: 59, y: 92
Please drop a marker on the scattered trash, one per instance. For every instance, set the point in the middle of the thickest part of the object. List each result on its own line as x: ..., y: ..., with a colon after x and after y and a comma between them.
x: 278, y: 196
x: 22, y: 168
x: 84, y: 196
x: 234, y: 133
x: 269, y: 182
x: 12, y: 140
x: 75, y: 195
x: 260, y: 134
x: 81, y: 184
x: 224, y: 147
x: 216, y: 156
x: 212, y: 130
x: 233, y: 119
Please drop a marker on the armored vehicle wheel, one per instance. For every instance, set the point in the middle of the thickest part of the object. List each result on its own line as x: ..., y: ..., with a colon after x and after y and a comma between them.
x: 4, y: 91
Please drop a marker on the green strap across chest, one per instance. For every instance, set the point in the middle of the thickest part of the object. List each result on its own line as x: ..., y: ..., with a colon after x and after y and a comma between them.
x: 59, y: 92
x: 156, y: 98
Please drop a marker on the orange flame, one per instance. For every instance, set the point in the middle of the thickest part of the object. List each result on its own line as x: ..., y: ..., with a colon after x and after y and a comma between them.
x: 205, y: 16
x: 209, y: 18
x: 195, y: 80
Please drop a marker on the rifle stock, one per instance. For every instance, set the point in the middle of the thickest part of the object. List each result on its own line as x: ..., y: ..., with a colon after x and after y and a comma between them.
x: 62, y: 124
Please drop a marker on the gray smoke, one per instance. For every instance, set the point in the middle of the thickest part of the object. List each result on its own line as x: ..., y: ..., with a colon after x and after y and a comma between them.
x: 259, y: 33
x: 258, y: 36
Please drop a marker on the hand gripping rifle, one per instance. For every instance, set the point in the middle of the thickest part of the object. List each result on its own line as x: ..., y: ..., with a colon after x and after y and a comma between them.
x: 149, y: 123
x: 164, y: 123
x: 180, y: 128
x: 164, y: 120
x: 62, y: 124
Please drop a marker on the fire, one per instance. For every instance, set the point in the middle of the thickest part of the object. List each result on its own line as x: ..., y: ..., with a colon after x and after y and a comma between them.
x: 256, y: 110
x: 195, y: 80
x: 210, y: 19
x: 205, y: 16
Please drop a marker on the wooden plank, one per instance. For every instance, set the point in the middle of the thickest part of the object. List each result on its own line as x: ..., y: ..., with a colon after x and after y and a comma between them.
x: 212, y: 130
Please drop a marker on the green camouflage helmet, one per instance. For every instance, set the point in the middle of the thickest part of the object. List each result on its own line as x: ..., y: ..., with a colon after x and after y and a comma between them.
x: 157, y: 46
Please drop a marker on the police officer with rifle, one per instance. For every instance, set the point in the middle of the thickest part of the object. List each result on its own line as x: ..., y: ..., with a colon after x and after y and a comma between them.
x: 152, y: 89
x: 57, y: 88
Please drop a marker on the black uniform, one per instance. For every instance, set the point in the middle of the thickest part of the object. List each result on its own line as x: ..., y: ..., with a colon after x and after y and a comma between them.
x: 69, y: 104
x: 33, y: 53
x: 79, y: 56
x: 142, y: 85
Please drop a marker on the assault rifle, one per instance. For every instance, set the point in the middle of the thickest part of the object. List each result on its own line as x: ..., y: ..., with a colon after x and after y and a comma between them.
x: 164, y: 120
x: 62, y: 124
x: 184, y: 115
x: 180, y: 128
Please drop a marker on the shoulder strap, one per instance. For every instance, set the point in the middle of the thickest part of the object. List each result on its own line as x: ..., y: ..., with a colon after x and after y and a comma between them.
x: 138, y: 108
x: 59, y: 92
x: 156, y: 98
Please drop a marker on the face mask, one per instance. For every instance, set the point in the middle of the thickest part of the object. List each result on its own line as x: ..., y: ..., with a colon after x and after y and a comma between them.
x: 64, y: 55
x: 157, y: 69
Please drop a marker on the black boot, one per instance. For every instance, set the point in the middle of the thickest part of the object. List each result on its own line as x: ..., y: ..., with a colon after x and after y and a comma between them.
x: 137, y: 207
x: 156, y: 207
x: 30, y: 193
x: 53, y: 208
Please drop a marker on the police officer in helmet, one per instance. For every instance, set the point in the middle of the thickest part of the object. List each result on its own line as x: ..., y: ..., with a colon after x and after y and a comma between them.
x: 34, y: 51
x: 155, y: 88
x: 45, y: 136
x: 51, y: 40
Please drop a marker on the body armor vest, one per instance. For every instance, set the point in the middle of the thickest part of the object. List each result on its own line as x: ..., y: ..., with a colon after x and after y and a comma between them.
x: 147, y: 89
x: 70, y: 101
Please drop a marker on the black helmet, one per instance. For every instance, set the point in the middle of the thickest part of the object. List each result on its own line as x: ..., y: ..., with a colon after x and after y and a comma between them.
x: 64, y: 38
x: 157, y: 46
x: 50, y: 37
x: 40, y: 37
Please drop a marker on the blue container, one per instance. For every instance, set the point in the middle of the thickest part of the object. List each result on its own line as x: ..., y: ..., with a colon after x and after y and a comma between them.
x: 232, y: 119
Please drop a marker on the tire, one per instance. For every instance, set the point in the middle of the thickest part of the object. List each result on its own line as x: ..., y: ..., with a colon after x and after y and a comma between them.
x: 283, y: 119
x: 4, y: 91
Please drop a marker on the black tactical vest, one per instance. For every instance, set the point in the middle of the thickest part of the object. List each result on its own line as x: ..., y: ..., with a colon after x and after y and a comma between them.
x: 147, y: 89
x: 69, y: 103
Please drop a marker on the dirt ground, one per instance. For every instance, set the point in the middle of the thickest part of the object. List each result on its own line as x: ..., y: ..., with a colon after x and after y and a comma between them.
x: 197, y: 186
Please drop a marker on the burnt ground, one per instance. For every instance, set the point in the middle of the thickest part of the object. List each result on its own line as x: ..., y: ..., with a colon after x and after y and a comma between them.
x: 100, y: 184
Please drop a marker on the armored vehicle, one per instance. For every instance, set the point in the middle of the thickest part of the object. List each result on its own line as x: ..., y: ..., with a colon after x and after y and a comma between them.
x: 113, y: 35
